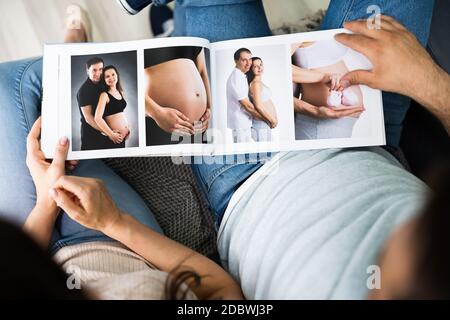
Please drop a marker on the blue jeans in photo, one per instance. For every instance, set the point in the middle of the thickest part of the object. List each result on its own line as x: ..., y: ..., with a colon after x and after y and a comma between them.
x: 20, y: 104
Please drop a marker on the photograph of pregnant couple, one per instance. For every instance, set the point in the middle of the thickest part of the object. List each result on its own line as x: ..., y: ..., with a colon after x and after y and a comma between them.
x: 177, y: 95
x: 104, y: 101
x: 325, y: 107
x: 251, y: 112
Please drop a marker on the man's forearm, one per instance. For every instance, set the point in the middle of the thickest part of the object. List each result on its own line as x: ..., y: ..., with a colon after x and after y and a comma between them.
x: 434, y: 94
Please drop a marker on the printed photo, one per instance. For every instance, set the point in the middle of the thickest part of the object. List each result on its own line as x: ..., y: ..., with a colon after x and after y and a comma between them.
x: 325, y: 107
x: 177, y: 95
x: 257, y: 103
x: 104, y: 101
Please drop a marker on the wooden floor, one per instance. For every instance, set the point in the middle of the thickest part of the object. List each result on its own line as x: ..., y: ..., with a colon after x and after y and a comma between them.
x: 25, y: 25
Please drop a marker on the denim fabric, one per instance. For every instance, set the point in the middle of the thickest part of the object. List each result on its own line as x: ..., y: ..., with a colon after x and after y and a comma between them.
x: 20, y: 103
x: 415, y: 15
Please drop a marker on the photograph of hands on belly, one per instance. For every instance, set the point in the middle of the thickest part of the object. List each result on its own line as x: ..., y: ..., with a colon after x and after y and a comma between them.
x: 254, y: 104
x: 104, y: 100
x: 177, y: 95
x: 325, y: 107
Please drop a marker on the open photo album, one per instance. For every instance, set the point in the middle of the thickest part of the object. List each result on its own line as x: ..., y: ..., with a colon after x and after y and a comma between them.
x: 187, y: 96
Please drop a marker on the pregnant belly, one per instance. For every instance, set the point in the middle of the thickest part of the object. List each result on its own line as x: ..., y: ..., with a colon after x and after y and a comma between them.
x: 270, y: 107
x: 317, y: 93
x: 177, y: 84
x: 118, y: 122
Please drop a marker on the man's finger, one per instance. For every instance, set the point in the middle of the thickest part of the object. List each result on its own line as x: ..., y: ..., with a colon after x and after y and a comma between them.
x: 357, y: 42
x: 187, y: 125
x: 394, y: 24
x: 59, y: 158
x: 361, y: 27
x: 182, y: 115
x: 358, y: 77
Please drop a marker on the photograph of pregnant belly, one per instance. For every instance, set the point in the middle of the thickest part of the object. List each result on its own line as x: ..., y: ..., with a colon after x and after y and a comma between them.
x: 177, y: 95
x: 325, y: 107
x: 104, y: 100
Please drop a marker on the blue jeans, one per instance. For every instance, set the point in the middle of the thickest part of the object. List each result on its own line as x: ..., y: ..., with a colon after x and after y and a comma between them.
x: 20, y: 99
x: 218, y: 181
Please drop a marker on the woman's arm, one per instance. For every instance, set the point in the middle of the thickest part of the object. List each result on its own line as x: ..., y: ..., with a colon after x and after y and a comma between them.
x: 255, y: 92
x: 40, y: 222
x: 300, y: 75
x: 323, y: 112
x: 114, y: 136
x: 94, y: 208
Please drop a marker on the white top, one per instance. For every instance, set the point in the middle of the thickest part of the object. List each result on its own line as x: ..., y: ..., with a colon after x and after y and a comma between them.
x: 109, y: 270
x: 320, y: 54
x: 266, y: 93
x: 237, y: 89
x: 310, y: 224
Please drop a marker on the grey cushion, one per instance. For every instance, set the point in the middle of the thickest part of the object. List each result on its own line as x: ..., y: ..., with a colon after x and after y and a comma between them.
x: 171, y: 193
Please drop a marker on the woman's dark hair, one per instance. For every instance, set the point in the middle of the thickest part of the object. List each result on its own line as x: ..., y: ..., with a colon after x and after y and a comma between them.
x: 250, y: 74
x: 27, y: 271
x: 176, y: 279
x: 432, y: 239
x: 118, y: 85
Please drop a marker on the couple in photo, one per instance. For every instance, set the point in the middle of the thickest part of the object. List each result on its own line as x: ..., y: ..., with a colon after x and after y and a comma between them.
x: 251, y: 112
x: 102, y: 103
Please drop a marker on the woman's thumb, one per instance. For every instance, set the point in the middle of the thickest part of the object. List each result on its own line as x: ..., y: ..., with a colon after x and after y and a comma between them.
x: 61, y: 152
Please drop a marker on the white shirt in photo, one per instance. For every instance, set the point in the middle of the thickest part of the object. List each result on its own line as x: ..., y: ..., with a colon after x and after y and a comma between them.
x: 237, y: 89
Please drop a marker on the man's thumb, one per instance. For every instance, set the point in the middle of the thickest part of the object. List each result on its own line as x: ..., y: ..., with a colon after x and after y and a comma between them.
x: 356, y: 77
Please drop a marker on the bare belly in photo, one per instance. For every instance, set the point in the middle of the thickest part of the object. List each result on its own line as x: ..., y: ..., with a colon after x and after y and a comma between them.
x: 118, y: 122
x: 177, y: 84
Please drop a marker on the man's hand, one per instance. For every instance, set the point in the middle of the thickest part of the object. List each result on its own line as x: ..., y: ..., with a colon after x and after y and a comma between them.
x: 173, y: 121
x: 400, y: 63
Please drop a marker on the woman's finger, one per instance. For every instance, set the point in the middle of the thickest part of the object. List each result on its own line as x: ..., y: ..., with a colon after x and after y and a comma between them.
x: 66, y: 201
x: 59, y: 158
x: 76, y: 185
x: 33, y: 144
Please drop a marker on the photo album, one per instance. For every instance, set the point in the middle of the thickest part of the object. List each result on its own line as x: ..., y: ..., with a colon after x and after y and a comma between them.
x: 186, y: 96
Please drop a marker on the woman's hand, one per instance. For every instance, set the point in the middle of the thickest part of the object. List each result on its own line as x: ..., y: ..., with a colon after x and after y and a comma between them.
x: 173, y: 121
x: 44, y: 173
x: 333, y: 80
x: 86, y: 201
x: 339, y: 112
x: 116, y: 137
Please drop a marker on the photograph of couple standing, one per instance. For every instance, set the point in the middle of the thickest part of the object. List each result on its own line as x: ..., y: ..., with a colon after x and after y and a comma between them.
x: 251, y: 113
x: 104, y: 93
